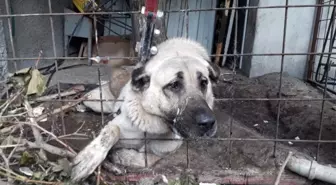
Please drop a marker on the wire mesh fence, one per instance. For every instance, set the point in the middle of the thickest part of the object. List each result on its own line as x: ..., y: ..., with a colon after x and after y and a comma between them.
x: 321, y: 73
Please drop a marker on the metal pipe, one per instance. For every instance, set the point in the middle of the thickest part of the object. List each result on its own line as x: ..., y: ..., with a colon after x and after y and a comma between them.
x: 11, y: 33
x: 331, y: 45
x: 244, y: 35
x: 318, y: 15
x: 281, y: 74
x: 312, y: 170
x: 167, y: 11
x: 134, y: 58
x: 228, y: 35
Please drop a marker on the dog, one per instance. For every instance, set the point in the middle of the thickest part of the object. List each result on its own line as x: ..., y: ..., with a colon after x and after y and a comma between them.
x: 168, y: 98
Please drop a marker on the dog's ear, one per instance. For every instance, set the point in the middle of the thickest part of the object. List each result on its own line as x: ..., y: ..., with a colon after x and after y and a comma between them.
x: 140, y: 80
x: 214, y: 71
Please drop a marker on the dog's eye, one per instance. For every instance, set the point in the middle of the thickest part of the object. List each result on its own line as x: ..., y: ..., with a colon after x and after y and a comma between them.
x: 204, y: 82
x: 174, y: 86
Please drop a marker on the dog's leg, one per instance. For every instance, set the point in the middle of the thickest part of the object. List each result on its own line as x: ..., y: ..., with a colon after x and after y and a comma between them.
x: 165, y: 147
x: 156, y: 150
x: 94, y: 153
x: 134, y: 159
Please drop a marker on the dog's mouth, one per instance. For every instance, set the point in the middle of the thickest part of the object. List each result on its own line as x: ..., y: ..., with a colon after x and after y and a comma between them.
x: 175, y: 131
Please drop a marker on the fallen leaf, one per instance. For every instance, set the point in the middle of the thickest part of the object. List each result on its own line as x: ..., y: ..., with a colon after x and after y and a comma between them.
x: 37, y: 111
x: 21, y: 77
x: 42, y: 155
x: 57, y: 168
x: 31, y: 79
x: 22, y: 71
x: 38, y: 175
x: 27, y: 171
x: 36, y: 84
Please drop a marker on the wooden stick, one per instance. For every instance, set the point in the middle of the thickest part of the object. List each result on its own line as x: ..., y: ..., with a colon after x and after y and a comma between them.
x: 35, y: 127
x: 75, y: 90
x: 59, y: 110
x: 21, y: 178
x: 277, y: 180
x: 47, y: 147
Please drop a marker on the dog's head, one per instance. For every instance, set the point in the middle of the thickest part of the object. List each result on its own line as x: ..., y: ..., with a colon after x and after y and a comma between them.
x: 178, y: 87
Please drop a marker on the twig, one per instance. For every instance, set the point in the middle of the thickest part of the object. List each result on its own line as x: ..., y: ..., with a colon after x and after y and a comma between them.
x: 52, y: 135
x: 7, y: 129
x: 6, y: 160
x: 14, y: 115
x: 37, y: 134
x: 47, y: 147
x: 58, y: 110
x: 7, y: 88
x: 277, y: 181
x: 14, y: 149
x: 76, y: 133
x: 38, y: 59
x: 98, y: 175
x: 8, y: 102
x: 74, y: 90
x: 10, y: 146
x: 11, y: 174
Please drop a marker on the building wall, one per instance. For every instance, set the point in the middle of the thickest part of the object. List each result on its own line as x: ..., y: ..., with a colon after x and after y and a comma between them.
x: 268, y: 37
x: 33, y: 33
x: 201, y: 24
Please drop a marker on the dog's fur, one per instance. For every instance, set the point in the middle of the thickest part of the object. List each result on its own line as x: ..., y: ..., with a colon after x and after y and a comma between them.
x: 169, y: 97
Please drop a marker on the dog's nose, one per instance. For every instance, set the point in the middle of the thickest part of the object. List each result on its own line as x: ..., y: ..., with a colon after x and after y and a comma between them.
x: 205, y: 121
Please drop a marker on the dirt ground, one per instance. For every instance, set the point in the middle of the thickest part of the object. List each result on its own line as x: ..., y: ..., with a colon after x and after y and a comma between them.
x: 239, y: 162
x: 299, y: 119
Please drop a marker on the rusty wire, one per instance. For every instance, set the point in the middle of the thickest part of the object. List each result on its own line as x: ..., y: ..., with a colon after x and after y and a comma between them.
x: 185, y: 29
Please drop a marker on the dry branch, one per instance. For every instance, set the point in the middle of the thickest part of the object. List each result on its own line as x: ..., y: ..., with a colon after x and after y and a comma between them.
x: 47, y: 147
x: 13, y: 175
x: 38, y: 138
x: 7, y: 129
x: 59, y: 110
x: 8, y: 102
x: 52, y: 135
x: 277, y: 180
x: 74, y: 90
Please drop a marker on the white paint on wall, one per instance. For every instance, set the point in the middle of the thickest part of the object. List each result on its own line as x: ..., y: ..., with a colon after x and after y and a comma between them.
x: 269, y: 37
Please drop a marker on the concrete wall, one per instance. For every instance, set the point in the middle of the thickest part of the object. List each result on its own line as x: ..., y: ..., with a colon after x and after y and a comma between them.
x: 33, y: 33
x: 201, y: 24
x: 268, y: 37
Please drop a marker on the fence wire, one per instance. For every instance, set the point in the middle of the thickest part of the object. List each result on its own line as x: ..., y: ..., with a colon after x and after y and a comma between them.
x: 313, y: 55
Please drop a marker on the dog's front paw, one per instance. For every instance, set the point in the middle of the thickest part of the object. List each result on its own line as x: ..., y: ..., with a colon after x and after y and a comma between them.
x: 94, y: 153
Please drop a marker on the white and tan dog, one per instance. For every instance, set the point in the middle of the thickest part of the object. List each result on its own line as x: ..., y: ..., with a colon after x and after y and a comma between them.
x: 169, y: 97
